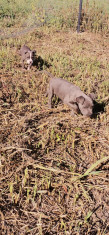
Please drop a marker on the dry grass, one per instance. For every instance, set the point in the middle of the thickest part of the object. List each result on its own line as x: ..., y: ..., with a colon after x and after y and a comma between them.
x: 54, y: 169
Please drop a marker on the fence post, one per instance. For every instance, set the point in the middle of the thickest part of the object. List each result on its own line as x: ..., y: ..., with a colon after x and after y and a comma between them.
x: 79, y: 16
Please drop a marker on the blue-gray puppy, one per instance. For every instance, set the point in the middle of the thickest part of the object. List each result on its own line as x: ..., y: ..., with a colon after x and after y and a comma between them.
x: 27, y: 56
x: 71, y: 95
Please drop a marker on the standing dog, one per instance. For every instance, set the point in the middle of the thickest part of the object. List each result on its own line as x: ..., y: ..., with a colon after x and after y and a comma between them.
x: 71, y: 95
x: 27, y: 56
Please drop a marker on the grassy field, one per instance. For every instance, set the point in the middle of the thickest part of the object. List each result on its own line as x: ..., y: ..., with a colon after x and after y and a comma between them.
x: 59, y: 14
x: 54, y: 168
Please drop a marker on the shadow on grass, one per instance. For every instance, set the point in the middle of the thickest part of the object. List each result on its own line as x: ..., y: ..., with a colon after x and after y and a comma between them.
x: 40, y: 63
x: 98, y: 108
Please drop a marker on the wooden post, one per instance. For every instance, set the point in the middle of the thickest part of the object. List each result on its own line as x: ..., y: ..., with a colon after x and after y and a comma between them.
x: 79, y: 16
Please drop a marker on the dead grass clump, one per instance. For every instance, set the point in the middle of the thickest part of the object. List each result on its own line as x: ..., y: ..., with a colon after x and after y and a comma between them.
x: 54, y: 168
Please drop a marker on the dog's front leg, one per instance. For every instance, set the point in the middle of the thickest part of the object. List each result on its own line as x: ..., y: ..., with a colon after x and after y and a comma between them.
x: 23, y: 66
x: 28, y: 67
x: 74, y: 107
x: 50, y: 94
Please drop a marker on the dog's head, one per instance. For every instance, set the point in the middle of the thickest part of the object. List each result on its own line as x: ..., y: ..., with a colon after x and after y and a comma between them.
x: 86, y: 104
x: 29, y: 56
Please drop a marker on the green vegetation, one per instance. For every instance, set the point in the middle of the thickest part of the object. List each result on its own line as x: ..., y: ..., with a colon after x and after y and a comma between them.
x: 53, y: 167
x: 58, y: 13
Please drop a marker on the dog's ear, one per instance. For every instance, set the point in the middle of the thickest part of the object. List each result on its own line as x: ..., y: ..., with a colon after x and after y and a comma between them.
x: 34, y: 51
x: 80, y: 100
x: 92, y: 96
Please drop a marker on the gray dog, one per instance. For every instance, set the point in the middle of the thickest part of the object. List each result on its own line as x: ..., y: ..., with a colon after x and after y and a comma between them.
x: 71, y: 95
x: 27, y: 56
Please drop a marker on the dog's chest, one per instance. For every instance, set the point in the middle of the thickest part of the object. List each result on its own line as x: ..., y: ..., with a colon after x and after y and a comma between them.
x: 28, y: 57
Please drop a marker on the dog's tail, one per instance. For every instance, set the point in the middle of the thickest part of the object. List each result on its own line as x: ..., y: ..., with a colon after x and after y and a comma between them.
x: 46, y: 72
